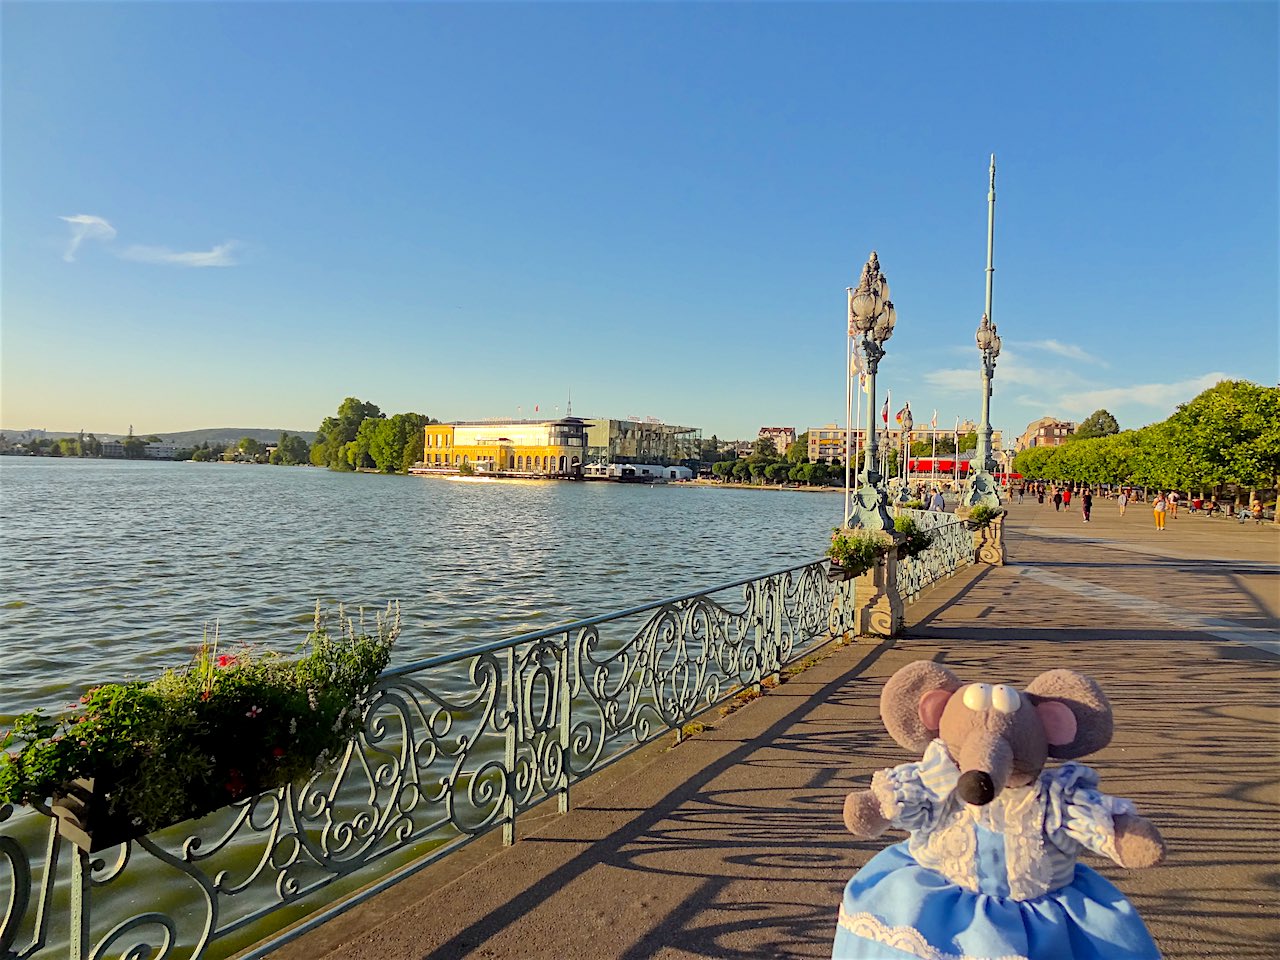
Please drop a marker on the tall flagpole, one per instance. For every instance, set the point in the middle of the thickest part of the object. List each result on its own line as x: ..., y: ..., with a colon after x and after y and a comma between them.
x: 933, y: 461
x: 848, y: 412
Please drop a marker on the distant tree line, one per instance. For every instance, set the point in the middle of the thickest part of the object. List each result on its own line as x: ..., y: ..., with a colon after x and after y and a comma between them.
x: 362, y: 437
x: 1228, y: 435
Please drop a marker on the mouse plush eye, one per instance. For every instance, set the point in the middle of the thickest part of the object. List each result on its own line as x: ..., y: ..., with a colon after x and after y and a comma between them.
x: 1005, y: 699
x: 977, y: 696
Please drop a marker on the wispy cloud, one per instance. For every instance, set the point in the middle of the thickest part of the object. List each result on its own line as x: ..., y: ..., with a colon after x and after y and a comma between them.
x: 219, y: 256
x: 87, y: 227
x: 1011, y: 369
x: 1162, y: 396
x: 1068, y: 350
x: 84, y: 226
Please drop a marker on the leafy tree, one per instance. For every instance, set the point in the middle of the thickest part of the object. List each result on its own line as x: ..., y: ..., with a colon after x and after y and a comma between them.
x: 798, y: 452
x: 1100, y: 423
x: 968, y: 442
x: 134, y: 448
x: 765, y: 448
x: 356, y: 451
x: 391, y: 441
x: 723, y: 469
x: 777, y: 471
x: 336, y: 432
x: 1232, y: 431
x: 741, y: 470
x: 250, y: 447
x: 290, y: 450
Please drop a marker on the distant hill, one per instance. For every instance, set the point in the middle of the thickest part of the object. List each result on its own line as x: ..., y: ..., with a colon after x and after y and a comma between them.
x: 183, y: 438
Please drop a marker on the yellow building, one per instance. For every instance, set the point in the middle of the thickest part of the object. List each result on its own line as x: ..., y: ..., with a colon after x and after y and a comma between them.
x: 527, y: 448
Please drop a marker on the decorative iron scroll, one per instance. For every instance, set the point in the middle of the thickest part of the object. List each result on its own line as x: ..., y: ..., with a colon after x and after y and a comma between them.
x: 951, y: 550
x: 451, y: 748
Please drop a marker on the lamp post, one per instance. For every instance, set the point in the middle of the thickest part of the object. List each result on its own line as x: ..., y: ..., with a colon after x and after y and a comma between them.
x: 904, y: 442
x: 871, y: 320
x: 981, y: 487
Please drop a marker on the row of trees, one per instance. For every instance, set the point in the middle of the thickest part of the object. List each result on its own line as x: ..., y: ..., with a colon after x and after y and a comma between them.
x: 1228, y: 435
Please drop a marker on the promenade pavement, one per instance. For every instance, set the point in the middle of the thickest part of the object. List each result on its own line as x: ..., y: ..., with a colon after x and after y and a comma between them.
x: 731, y: 845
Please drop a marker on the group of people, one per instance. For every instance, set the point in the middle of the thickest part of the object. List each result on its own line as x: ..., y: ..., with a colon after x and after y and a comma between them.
x: 1163, y: 507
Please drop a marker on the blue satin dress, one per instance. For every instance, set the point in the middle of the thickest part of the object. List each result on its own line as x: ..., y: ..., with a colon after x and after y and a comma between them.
x: 999, y: 882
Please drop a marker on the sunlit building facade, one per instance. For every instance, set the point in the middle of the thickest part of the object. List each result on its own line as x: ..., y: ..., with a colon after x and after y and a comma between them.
x: 536, y: 448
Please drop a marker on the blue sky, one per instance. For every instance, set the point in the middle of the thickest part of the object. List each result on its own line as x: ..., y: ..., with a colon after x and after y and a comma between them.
x: 240, y: 214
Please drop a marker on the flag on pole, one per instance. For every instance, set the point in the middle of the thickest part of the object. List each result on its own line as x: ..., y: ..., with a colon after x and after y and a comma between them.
x: 884, y: 413
x: 934, y: 422
x: 901, y: 413
x: 535, y: 408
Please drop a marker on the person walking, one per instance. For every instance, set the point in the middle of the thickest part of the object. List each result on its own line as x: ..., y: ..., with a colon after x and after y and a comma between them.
x: 1040, y: 494
x: 1158, y: 508
x: 1066, y: 499
x: 1123, y: 500
x: 1057, y: 500
x: 1086, y: 503
x: 1173, y: 505
x: 936, y: 502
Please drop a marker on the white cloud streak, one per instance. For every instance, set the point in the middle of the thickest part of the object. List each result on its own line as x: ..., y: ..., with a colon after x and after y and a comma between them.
x: 1068, y: 350
x: 219, y: 256
x: 86, y: 227
x: 1164, y: 396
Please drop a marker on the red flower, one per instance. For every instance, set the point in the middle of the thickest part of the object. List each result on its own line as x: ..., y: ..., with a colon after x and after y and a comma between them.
x: 204, y: 695
x: 226, y: 660
x: 277, y: 752
x: 235, y: 786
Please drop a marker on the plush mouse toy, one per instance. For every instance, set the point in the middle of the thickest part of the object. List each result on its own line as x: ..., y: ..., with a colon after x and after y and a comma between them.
x: 989, y: 871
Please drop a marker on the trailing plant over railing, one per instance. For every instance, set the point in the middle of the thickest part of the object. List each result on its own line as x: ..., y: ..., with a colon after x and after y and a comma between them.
x: 228, y: 725
x: 981, y: 516
x: 950, y: 550
x: 854, y: 551
x: 915, y: 541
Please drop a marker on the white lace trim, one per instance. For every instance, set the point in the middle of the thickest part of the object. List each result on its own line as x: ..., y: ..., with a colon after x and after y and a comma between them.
x: 907, y: 939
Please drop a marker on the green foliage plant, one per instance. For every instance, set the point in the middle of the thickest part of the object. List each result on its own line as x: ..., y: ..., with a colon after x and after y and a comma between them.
x: 914, y: 540
x: 982, y: 515
x: 857, y: 551
x: 198, y: 738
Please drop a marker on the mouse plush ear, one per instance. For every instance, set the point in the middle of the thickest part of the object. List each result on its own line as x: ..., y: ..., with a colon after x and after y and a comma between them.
x: 1075, y: 712
x: 912, y: 702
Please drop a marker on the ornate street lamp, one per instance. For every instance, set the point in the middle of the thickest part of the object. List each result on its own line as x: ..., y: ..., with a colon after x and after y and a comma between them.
x: 871, y: 321
x: 981, y: 487
x: 904, y: 453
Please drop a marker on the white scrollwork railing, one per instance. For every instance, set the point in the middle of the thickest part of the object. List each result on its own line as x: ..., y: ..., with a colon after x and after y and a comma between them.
x: 451, y: 748
x: 950, y: 551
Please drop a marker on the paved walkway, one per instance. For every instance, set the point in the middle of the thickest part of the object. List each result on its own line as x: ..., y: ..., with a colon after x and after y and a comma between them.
x: 732, y: 845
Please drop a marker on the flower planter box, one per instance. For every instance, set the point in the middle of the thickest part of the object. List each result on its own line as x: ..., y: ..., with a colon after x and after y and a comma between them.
x: 837, y: 573
x: 85, y: 819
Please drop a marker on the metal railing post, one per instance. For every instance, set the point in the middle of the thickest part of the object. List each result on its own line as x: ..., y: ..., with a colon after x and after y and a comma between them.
x: 509, y: 756
x: 566, y: 704
x: 80, y: 895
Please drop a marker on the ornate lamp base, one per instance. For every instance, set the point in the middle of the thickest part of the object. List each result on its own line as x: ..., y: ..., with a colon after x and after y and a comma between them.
x: 869, y: 509
x: 979, y: 490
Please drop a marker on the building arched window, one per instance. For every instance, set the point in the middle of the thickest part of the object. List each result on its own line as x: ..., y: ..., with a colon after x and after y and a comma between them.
x: 563, y: 466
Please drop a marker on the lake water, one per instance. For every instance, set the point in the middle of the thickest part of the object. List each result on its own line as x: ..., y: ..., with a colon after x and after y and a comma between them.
x: 115, y: 568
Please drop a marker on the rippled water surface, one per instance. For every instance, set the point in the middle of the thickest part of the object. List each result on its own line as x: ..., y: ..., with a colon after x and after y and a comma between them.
x: 111, y: 568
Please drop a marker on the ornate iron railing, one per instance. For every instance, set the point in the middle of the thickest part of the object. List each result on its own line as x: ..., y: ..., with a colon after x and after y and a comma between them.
x: 950, y: 551
x: 452, y: 748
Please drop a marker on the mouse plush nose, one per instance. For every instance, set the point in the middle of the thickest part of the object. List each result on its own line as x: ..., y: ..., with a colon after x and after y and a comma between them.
x: 976, y: 787
x: 985, y: 762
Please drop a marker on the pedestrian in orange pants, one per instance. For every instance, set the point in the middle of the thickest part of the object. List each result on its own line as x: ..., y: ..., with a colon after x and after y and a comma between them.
x: 1158, y: 509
